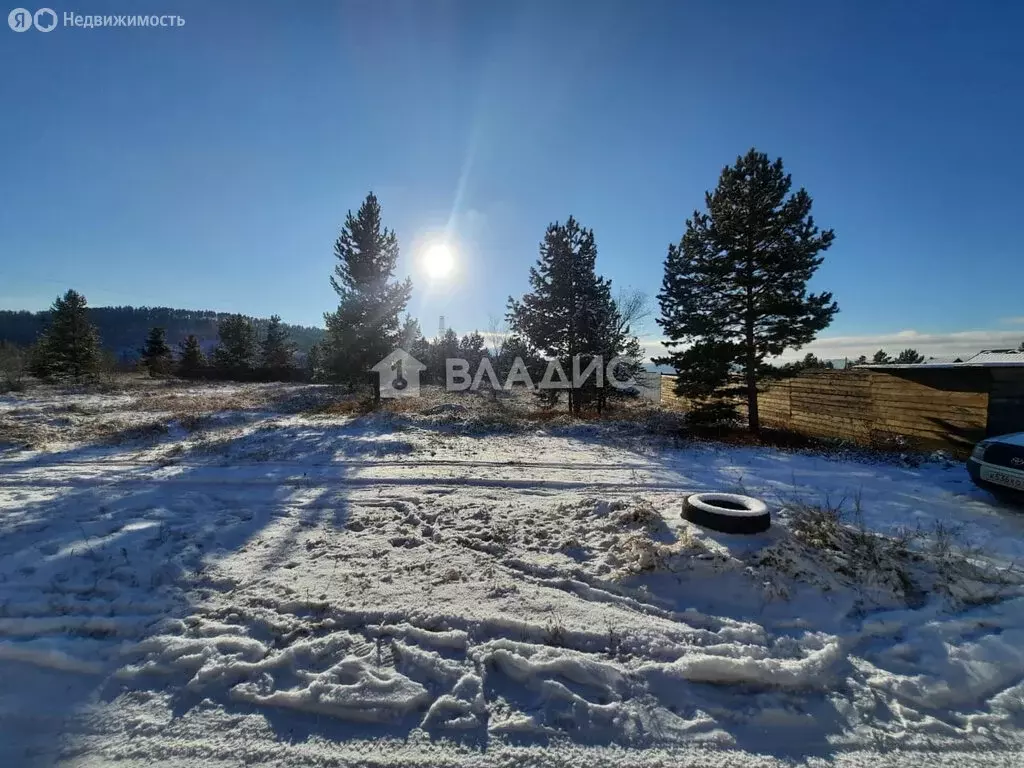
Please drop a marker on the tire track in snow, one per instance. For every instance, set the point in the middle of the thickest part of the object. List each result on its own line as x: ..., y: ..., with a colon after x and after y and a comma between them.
x: 299, y: 482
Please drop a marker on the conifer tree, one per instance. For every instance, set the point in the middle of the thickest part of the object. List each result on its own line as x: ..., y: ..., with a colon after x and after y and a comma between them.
x: 734, y: 292
x: 236, y: 350
x: 412, y: 341
x: 438, y: 350
x: 448, y: 345
x: 569, y: 312
x: 156, y: 355
x: 277, y: 352
x: 191, y: 360
x: 410, y: 336
x: 365, y: 327
x: 315, y: 362
x: 880, y: 358
x: 909, y: 357
x: 473, y: 349
x: 69, y: 347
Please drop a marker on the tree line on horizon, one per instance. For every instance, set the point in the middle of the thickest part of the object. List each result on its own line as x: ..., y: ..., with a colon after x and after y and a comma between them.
x: 69, y: 348
x: 122, y: 329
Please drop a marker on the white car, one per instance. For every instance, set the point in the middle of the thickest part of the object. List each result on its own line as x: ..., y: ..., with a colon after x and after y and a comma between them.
x: 997, y: 465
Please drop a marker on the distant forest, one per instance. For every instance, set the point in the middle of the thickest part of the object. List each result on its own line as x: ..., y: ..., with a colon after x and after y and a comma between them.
x: 123, y: 329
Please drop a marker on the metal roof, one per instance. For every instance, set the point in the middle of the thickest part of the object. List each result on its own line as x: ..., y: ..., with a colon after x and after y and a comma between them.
x: 996, y: 356
x: 987, y: 358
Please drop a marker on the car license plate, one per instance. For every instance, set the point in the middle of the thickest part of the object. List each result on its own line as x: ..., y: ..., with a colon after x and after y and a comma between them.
x: 1002, y: 478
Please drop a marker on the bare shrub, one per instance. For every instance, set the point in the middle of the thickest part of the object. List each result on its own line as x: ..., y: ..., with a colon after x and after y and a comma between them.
x: 910, y: 563
x: 640, y: 512
x: 13, y: 365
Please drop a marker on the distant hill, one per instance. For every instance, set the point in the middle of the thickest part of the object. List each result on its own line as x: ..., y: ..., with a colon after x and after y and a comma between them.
x: 123, y: 329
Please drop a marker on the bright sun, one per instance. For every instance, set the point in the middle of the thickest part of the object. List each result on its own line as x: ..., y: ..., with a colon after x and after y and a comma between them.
x: 438, y: 260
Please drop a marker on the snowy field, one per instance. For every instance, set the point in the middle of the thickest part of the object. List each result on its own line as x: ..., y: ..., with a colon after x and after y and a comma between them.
x: 230, y: 575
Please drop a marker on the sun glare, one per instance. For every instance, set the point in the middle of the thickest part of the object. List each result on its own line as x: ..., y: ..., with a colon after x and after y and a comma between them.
x: 438, y: 260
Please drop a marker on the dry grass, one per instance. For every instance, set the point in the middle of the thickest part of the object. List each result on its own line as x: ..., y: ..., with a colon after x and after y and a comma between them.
x: 909, y: 563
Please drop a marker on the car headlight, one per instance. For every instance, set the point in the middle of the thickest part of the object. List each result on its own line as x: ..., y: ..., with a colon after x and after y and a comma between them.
x: 979, y: 450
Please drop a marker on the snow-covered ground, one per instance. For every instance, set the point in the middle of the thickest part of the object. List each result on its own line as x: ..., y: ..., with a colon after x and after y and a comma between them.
x: 224, y: 576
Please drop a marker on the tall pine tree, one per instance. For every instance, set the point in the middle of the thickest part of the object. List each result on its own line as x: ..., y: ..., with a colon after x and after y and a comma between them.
x: 365, y: 327
x: 569, y: 312
x: 735, y: 287
x: 156, y: 355
x: 69, y: 347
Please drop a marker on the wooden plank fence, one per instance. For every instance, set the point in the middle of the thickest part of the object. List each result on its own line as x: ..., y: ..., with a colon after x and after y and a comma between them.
x: 868, y: 406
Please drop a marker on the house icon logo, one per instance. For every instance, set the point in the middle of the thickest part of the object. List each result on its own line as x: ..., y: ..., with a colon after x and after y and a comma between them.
x: 399, y: 375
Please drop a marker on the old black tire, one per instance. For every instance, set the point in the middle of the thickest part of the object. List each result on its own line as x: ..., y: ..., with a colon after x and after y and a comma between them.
x: 727, y: 512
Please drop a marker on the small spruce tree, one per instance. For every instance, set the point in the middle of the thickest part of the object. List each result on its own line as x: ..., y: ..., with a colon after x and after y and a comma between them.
x: 315, y: 362
x: 69, y: 347
x: 156, y: 355
x: 473, y: 349
x: 277, y: 352
x: 235, y: 353
x: 191, y: 360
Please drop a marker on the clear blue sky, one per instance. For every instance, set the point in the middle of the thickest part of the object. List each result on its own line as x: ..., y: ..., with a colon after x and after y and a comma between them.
x: 210, y: 166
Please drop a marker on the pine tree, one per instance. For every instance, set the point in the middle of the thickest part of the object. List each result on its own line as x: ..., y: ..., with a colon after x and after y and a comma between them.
x: 444, y: 348
x: 909, y: 357
x: 448, y: 345
x: 516, y: 346
x: 880, y: 358
x: 191, y: 360
x: 862, y: 360
x: 1021, y: 347
x: 69, y: 347
x: 236, y: 350
x: 410, y: 338
x: 812, y: 362
x: 734, y: 292
x: 277, y: 352
x: 473, y: 349
x: 364, y: 329
x: 315, y: 362
x: 156, y: 355
x: 570, y: 312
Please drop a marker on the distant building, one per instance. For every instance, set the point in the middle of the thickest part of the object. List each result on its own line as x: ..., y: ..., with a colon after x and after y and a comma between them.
x: 997, y: 356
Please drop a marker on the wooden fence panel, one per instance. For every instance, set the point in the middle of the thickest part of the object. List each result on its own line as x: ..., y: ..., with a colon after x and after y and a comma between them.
x: 941, y: 408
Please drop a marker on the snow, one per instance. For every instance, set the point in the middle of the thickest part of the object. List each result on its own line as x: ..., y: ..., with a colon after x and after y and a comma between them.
x: 259, y: 583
